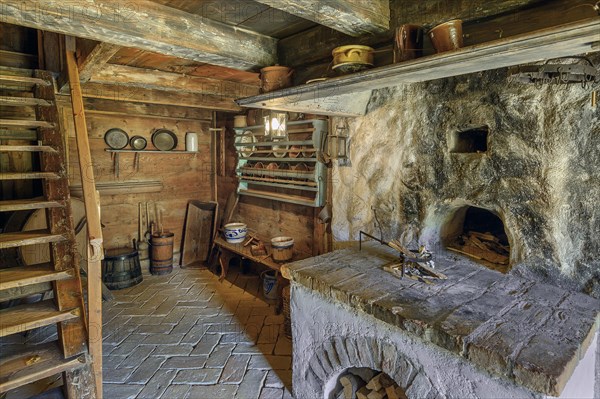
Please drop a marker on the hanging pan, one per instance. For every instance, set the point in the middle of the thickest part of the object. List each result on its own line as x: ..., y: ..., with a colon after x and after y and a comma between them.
x: 164, y: 140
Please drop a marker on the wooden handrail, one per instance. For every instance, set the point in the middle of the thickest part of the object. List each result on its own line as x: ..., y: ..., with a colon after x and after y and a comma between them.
x: 92, y: 209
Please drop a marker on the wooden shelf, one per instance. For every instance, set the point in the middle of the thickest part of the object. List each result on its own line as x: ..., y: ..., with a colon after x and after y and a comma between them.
x: 349, y: 95
x: 152, y: 151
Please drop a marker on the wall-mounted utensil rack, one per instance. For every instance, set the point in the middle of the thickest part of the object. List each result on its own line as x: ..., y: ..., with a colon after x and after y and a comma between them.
x: 284, y: 180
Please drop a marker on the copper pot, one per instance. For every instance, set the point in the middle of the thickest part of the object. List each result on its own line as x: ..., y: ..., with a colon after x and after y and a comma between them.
x: 275, y: 77
x: 447, y: 36
x: 408, y: 42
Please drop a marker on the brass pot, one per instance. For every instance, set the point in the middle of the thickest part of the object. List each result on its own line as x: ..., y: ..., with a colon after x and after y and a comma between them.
x: 275, y: 77
x: 354, y: 54
x: 447, y: 36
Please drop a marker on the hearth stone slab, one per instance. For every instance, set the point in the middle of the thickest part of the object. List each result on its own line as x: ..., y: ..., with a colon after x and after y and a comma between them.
x: 526, y: 332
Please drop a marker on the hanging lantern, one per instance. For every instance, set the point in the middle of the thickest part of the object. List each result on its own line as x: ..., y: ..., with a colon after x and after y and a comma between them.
x: 338, y: 142
x: 276, y: 124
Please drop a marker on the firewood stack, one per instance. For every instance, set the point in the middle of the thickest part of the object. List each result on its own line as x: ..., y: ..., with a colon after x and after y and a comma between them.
x: 366, y: 384
x: 483, y: 246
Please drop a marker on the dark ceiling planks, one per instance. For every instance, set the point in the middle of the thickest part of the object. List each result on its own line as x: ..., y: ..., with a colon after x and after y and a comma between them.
x: 352, y: 17
x: 150, y: 26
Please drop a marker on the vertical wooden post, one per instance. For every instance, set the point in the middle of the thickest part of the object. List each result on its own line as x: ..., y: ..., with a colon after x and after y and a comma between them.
x: 91, y: 201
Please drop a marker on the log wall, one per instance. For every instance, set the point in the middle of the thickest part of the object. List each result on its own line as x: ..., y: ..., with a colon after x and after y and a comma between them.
x: 184, y: 176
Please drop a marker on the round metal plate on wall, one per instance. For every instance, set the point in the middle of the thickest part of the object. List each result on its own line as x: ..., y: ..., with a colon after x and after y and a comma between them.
x: 116, y: 139
x: 164, y: 140
x: 138, y: 142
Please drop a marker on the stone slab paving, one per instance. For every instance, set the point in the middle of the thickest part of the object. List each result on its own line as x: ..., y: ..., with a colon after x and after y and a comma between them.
x: 189, y: 336
x: 528, y: 332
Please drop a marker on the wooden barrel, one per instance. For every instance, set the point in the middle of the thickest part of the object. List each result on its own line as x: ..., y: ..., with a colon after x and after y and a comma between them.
x: 161, y: 260
x: 121, y: 268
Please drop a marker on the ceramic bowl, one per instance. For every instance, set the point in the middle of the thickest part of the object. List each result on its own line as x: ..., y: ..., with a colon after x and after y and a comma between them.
x: 235, y: 233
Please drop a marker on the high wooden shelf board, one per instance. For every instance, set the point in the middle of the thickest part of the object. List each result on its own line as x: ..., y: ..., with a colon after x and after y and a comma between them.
x: 349, y: 95
x: 152, y: 151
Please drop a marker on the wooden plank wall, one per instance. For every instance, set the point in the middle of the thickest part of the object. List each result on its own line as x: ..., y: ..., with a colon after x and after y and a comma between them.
x: 184, y: 176
x: 269, y: 218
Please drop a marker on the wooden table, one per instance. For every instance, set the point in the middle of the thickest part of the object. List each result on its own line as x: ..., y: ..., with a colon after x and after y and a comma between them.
x: 228, y: 251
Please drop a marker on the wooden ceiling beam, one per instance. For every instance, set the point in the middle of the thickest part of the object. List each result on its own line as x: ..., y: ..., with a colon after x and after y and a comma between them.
x: 149, y: 26
x: 91, y: 63
x: 352, y: 17
x: 96, y: 60
x: 167, y: 81
x: 149, y: 96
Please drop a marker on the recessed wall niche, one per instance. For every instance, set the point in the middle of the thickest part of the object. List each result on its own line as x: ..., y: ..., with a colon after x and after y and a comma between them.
x: 469, y: 140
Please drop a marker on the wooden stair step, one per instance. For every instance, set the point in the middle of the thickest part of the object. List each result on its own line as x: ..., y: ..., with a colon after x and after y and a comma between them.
x: 4, y: 78
x: 26, y: 148
x: 23, y: 101
x: 25, y: 123
x: 20, y: 276
x: 29, y: 316
x: 18, y: 134
x: 38, y: 362
x: 29, y: 175
x: 22, y: 238
x: 27, y: 204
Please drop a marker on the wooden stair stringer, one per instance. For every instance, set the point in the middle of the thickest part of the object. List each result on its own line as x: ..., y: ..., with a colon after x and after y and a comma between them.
x: 72, y: 333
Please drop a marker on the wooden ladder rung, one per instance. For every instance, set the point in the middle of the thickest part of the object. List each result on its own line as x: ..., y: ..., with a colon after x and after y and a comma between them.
x: 23, y: 80
x: 21, y: 276
x: 38, y: 362
x: 29, y: 175
x: 18, y: 134
x: 22, y: 238
x: 23, y: 101
x: 25, y: 123
x: 29, y: 316
x: 27, y: 148
x: 27, y: 204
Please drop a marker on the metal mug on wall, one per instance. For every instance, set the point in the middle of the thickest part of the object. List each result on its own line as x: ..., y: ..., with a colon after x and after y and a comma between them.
x: 408, y: 42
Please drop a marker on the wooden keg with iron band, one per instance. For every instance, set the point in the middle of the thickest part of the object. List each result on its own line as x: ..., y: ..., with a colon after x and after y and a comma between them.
x: 121, y: 268
x: 161, y: 260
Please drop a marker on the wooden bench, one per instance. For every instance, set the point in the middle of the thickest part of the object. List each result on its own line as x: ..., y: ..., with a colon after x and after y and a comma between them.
x: 228, y: 251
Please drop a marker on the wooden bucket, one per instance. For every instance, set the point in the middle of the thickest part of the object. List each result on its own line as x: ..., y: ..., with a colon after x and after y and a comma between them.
x: 282, y: 248
x: 161, y: 260
x: 121, y: 268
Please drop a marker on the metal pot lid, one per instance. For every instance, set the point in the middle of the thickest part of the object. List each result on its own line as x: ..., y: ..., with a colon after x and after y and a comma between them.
x: 138, y: 142
x: 164, y: 140
x: 116, y: 139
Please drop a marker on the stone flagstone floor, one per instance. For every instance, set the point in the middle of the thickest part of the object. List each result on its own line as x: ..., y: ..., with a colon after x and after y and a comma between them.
x: 188, y: 336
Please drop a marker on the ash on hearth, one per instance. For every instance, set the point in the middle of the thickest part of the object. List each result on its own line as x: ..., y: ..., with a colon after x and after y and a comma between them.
x: 365, y: 383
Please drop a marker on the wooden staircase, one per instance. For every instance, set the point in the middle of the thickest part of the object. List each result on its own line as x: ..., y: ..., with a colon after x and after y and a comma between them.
x: 69, y: 354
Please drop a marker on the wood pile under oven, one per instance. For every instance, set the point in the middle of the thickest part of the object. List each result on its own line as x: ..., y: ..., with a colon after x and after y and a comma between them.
x: 367, y: 384
x: 484, y: 247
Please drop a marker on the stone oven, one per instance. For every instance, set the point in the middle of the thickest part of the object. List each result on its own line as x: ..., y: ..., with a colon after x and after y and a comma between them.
x: 500, y: 190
